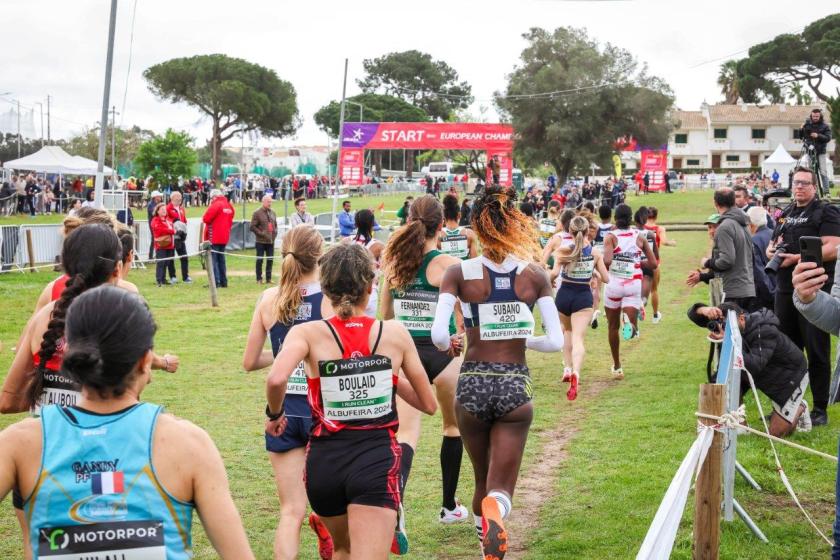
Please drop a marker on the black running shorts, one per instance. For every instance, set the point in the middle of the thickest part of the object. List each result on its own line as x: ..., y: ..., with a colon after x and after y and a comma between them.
x: 353, y: 467
x: 434, y: 361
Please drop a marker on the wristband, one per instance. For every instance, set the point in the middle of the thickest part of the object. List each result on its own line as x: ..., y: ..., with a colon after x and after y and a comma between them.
x: 271, y: 416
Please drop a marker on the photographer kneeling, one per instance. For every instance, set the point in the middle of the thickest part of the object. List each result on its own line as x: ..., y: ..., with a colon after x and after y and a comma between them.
x: 777, y: 366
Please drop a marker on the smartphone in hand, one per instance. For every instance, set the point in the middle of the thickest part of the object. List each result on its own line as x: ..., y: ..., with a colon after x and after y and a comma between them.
x: 811, y: 250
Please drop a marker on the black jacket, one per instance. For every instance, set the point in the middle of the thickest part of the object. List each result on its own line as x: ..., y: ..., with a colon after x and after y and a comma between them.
x: 776, y: 364
x: 823, y: 134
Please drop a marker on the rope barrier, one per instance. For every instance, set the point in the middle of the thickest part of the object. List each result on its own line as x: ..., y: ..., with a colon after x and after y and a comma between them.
x: 734, y: 418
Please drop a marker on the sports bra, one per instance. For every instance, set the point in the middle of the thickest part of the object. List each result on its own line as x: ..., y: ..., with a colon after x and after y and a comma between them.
x: 502, y: 316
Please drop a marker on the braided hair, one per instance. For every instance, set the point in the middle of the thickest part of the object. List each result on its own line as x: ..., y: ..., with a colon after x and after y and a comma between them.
x: 89, y: 256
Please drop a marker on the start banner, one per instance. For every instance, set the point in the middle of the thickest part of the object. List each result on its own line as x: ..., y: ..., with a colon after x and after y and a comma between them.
x: 427, y: 136
x: 655, y: 164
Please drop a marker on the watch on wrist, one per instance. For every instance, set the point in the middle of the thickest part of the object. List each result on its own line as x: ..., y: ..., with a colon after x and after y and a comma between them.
x: 271, y: 416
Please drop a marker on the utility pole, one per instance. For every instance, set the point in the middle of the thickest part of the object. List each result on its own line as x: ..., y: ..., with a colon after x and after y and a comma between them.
x: 48, y: 120
x: 18, y: 135
x: 114, y: 146
x: 338, y: 161
x: 109, y: 60
x: 42, y: 122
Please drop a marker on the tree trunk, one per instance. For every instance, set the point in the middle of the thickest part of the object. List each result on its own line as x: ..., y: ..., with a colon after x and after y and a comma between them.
x: 377, y: 162
x: 216, y: 152
x: 409, y: 163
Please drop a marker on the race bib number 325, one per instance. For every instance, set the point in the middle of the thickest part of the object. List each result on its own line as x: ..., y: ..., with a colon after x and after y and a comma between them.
x: 359, y: 389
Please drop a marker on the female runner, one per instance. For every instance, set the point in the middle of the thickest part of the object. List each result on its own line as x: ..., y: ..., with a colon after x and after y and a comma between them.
x: 365, y: 222
x: 413, y: 271
x: 352, y: 363
x: 574, y: 300
x: 457, y: 241
x: 661, y: 240
x: 163, y: 468
x: 296, y: 299
x: 623, y: 249
x: 493, y: 397
x: 559, y: 239
x: 640, y: 219
x: 548, y: 225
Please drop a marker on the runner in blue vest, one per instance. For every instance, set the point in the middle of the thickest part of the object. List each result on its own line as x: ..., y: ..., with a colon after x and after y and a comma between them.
x: 456, y: 240
x: 296, y: 299
x: 111, y: 476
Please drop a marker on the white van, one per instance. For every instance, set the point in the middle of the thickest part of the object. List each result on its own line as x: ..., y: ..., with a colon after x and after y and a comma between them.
x: 441, y: 169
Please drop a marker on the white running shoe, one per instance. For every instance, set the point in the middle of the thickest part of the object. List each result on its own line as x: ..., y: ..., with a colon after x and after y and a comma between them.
x: 617, y: 373
x: 449, y: 516
x: 657, y: 317
x: 804, y: 422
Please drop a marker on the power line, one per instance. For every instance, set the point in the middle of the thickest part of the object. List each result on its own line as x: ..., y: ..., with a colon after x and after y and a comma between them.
x: 128, y: 70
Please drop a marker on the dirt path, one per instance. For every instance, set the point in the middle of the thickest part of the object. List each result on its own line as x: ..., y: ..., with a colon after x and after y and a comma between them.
x: 537, y: 485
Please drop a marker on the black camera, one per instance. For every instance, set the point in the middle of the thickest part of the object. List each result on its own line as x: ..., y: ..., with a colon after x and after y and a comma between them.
x: 715, y: 325
x: 772, y: 266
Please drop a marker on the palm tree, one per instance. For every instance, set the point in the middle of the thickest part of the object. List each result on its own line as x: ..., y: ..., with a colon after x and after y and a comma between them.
x: 728, y: 82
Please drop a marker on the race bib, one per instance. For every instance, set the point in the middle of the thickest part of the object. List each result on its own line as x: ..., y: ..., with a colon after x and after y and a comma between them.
x: 623, y: 267
x: 505, y: 320
x: 359, y: 389
x: 547, y: 228
x: 297, y: 382
x: 581, y: 270
x: 415, y: 309
x: 455, y: 246
x: 58, y: 389
x: 123, y: 540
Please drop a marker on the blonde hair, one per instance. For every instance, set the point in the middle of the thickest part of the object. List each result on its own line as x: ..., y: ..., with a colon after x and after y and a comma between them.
x: 579, y: 228
x: 87, y: 216
x: 300, y: 250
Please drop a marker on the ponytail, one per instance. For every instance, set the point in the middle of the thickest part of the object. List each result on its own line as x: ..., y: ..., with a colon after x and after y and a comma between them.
x: 404, y: 251
x: 300, y: 251
x: 579, y: 227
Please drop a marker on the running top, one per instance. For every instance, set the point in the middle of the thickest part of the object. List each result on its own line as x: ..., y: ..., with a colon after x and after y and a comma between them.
x: 58, y: 286
x: 455, y: 243
x: 502, y: 316
x: 627, y: 257
x: 652, y: 237
x: 548, y: 227
x: 415, y: 307
x: 358, y: 391
x: 603, y: 230
x: 580, y: 272
x: 655, y: 229
x: 295, y: 403
x: 97, y: 495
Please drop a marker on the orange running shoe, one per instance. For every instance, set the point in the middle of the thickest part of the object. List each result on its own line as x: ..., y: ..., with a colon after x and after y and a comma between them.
x: 494, y: 545
x: 325, y: 542
x: 574, y: 379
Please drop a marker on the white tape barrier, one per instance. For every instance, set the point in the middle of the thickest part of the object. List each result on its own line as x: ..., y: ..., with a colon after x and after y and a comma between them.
x: 659, y: 540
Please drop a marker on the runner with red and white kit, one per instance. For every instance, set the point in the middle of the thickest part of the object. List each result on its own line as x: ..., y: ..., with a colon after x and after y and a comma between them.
x: 623, y: 249
x: 365, y: 222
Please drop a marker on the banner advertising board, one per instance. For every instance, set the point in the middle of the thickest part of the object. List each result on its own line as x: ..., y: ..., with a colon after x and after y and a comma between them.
x: 655, y: 164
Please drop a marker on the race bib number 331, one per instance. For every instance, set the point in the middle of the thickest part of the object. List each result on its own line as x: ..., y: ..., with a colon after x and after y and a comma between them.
x: 505, y: 320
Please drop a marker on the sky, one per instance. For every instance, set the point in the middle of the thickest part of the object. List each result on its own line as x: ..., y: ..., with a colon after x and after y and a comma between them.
x: 58, y: 47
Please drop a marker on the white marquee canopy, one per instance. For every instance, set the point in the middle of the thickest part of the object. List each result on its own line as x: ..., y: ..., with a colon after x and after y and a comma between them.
x: 53, y: 159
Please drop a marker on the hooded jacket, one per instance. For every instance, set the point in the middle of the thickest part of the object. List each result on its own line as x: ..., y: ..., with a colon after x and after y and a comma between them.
x: 732, y: 255
x: 823, y: 134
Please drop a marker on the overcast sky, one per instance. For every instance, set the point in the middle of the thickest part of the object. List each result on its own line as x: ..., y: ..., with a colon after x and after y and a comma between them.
x: 57, y: 47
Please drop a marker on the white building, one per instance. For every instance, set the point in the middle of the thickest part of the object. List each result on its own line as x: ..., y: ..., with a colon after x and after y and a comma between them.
x: 735, y: 136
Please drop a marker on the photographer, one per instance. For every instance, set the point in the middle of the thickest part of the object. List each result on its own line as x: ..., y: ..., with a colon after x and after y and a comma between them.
x: 806, y: 216
x: 815, y: 132
x: 777, y: 366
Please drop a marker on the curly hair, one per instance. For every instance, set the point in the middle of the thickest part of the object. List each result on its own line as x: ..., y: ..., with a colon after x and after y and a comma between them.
x: 501, y: 228
x: 89, y: 256
x: 300, y: 251
x: 346, y: 276
x: 404, y: 251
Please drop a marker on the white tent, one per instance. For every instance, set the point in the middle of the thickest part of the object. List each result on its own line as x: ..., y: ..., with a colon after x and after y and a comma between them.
x: 780, y: 161
x: 53, y: 159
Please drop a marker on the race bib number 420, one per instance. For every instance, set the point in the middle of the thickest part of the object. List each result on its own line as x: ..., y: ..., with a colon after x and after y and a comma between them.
x: 505, y: 320
x: 357, y: 389
x: 124, y: 540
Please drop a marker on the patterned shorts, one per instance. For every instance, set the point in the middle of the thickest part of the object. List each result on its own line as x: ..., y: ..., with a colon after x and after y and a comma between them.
x: 490, y: 390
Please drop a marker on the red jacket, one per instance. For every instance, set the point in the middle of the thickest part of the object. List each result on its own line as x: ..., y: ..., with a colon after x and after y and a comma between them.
x: 219, y: 220
x: 161, y: 227
x: 176, y: 213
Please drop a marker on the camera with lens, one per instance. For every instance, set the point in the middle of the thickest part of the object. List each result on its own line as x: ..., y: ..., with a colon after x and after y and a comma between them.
x: 715, y: 325
x: 772, y: 266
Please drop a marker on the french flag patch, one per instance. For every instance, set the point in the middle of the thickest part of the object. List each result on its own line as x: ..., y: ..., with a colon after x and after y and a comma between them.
x: 107, y: 483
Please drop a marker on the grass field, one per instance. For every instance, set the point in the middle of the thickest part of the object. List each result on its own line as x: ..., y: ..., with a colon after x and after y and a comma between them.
x: 595, y: 470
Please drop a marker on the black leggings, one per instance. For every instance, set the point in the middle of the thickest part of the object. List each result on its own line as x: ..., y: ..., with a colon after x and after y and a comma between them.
x: 495, y: 449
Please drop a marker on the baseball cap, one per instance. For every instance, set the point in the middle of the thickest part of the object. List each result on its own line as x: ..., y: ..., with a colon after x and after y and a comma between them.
x: 713, y: 219
x: 215, y: 192
x: 156, y: 193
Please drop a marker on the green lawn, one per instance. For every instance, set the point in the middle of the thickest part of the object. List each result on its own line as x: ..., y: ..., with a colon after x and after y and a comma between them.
x: 621, y: 441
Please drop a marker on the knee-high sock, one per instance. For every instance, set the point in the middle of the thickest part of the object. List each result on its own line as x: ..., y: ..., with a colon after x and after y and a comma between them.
x: 405, y: 467
x: 451, y: 452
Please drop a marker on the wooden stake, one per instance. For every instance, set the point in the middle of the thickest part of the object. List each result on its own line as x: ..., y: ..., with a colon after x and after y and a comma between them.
x: 31, y: 250
x: 707, y: 491
x: 211, y: 276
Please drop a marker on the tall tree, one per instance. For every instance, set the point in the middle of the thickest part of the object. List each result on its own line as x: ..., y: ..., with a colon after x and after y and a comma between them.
x: 167, y: 157
x: 416, y: 78
x: 238, y: 96
x: 728, y: 82
x: 569, y: 99
x: 773, y: 69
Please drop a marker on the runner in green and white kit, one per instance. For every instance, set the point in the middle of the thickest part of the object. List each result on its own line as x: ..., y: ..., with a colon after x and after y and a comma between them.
x: 548, y: 225
x: 457, y: 241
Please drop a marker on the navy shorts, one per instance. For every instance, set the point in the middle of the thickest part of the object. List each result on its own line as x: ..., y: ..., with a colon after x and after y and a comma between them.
x: 296, y: 435
x: 572, y: 298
